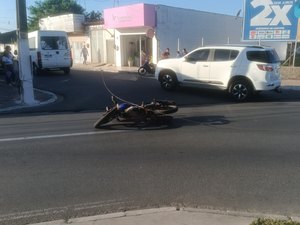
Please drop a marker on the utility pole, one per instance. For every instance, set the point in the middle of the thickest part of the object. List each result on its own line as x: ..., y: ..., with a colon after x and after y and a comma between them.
x: 23, y: 54
x: 116, y: 2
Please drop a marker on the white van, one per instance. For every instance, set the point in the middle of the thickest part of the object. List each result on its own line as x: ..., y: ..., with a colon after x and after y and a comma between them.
x: 50, y: 50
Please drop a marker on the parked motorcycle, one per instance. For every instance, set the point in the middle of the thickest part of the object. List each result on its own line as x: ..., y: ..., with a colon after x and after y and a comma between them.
x: 146, y: 68
x: 138, y: 114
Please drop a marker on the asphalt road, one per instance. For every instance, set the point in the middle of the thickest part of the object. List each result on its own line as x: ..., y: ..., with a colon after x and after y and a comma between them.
x: 84, y: 91
x: 225, y: 157
x: 215, y: 154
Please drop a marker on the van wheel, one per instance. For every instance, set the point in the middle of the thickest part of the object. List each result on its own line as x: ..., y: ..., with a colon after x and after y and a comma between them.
x: 35, y: 70
x: 168, y: 81
x: 67, y: 70
x: 241, y: 90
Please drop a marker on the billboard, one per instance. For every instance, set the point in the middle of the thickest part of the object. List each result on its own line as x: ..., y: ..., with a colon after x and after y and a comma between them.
x: 270, y: 20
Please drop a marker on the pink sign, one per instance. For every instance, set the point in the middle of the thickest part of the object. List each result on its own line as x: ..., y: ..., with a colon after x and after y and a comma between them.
x: 138, y: 15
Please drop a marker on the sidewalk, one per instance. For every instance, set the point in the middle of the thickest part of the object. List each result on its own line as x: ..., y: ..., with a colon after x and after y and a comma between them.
x: 169, y: 216
x: 105, y: 67
x: 10, y: 99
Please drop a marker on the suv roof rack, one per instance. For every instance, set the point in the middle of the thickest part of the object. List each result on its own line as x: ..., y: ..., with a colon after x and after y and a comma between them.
x: 256, y: 46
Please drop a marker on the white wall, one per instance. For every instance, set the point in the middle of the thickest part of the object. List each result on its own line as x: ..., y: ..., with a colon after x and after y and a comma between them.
x: 191, y: 26
x: 68, y: 22
x: 98, y: 43
x: 77, y: 43
x: 99, y: 37
x: 118, y: 48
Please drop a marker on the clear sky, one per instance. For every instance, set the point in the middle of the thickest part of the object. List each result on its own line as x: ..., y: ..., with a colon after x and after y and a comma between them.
x: 230, y: 7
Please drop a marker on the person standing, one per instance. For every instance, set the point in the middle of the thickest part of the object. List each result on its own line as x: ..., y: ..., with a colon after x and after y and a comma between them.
x: 8, y: 64
x: 178, y: 54
x: 184, y: 52
x: 84, y: 53
x: 166, y: 54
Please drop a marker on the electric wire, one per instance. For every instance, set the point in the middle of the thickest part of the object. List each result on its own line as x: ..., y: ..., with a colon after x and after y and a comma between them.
x: 114, y: 95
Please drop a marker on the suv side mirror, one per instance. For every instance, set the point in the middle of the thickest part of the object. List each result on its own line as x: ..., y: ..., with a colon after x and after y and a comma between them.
x: 187, y: 59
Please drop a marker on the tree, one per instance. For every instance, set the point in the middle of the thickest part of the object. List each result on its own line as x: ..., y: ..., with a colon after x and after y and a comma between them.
x: 46, y: 8
x: 93, y: 16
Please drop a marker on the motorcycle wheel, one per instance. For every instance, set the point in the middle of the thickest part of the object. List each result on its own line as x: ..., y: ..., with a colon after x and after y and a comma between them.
x: 165, y: 107
x: 142, y: 71
x: 106, y: 118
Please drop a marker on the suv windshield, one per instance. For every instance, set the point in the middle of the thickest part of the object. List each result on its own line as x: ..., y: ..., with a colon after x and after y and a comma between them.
x: 268, y: 56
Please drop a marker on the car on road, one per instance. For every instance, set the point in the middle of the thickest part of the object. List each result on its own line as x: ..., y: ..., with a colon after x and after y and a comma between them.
x: 241, y: 70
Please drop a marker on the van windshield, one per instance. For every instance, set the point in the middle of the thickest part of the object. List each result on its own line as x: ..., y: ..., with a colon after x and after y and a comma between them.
x: 54, y: 43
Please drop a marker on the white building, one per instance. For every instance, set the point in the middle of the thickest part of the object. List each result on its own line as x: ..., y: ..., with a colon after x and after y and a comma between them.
x: 134, y: 32
x: 153, y: 28
x: 98, y: 40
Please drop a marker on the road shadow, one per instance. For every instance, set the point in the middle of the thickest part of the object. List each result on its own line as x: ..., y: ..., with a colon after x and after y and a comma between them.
x: 288, y: 94
x: 52, y: 73
x: 214, y: 120
x: 165, y: 122
x: 188, y: 96
x: 168, y: 123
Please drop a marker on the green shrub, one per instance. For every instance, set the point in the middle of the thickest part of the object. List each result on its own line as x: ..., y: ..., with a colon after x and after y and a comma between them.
x: 261, y: 221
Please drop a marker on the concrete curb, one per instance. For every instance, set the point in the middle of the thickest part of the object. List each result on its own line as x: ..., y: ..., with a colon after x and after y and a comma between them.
x: 21, y: 105
x: 294, y: 88
x: 123, y: 214
x: 52, y: 99
x: 235, y: 213
x: 186, y: 212
x: 110, y: 216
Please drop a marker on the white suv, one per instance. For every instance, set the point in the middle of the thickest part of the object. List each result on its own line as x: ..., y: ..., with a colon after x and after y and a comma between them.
x: 241, y: 70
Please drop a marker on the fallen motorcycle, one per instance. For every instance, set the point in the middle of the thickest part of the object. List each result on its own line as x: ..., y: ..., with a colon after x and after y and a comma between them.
x: 146, y: 68
x: 138, y: 114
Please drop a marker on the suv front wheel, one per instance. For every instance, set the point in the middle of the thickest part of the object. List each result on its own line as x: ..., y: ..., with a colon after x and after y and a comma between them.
x: 241, y: 90
x: 168, y: 81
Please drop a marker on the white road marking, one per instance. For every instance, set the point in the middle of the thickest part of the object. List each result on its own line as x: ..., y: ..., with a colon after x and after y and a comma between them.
x: 58, y: 135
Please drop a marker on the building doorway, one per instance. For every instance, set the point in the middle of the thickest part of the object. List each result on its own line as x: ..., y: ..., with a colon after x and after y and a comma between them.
x: 135, y: 49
